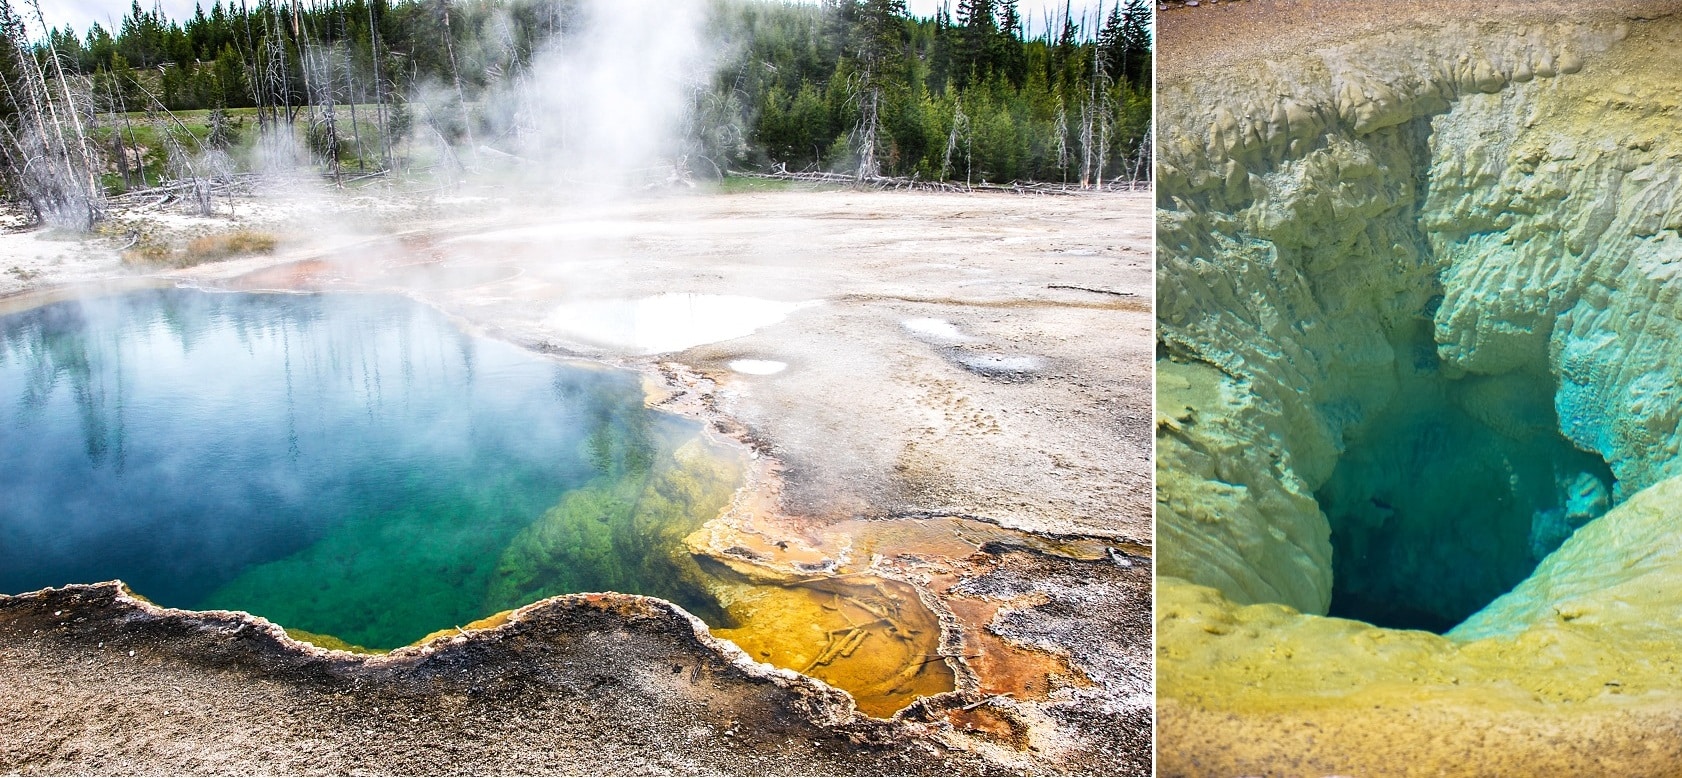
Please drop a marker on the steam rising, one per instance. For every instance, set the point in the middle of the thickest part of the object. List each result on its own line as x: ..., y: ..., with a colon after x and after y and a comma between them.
x: 606, y: 103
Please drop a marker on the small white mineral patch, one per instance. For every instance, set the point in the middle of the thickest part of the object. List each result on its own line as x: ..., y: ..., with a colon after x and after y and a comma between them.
x: 757, y: 366
x: 939, y: 330
x: 1000, y: 363
x: 670, y: 322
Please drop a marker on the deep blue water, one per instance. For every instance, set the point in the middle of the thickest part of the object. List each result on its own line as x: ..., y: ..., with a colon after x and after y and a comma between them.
x: 348, y: 465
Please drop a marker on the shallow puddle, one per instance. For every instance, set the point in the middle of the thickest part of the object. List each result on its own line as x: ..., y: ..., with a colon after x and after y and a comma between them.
x: 758, y: 366
x: 937, y: 330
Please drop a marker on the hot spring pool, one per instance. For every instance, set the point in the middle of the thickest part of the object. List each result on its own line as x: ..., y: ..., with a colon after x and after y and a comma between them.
x: 349, y: 466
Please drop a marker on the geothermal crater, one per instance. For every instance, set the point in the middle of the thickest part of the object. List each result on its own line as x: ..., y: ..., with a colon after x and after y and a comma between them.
x: 1418, y: 306
x: 362, y: 472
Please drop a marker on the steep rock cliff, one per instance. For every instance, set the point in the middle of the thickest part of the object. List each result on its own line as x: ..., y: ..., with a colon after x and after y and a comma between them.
x: 1469, y: 213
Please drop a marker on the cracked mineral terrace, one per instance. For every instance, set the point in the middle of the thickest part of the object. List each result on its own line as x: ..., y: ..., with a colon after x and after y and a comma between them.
x: 1416, y: 374
x: 990, y: 470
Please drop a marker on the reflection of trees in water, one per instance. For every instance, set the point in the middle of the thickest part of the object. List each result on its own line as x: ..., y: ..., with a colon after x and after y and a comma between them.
x: 85, y: 346
x: 54, y: 346
x: 618, y: 437
x: 620, y: 444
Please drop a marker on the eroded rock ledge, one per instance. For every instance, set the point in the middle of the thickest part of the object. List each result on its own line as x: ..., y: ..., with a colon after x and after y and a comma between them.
x: 574, y: 683
x: 579, y: 683
x: 100, y: 681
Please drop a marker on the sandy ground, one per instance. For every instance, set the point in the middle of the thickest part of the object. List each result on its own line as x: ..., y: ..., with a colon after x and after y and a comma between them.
x: 979, y: 358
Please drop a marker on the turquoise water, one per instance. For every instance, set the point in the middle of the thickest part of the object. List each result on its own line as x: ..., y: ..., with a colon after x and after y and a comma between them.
x: 348, y: 465
x: 1452, y: 495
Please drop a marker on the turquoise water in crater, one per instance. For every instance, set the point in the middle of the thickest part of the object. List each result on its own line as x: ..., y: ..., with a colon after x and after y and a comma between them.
x: 1453, y: 493
x: 347, y: 465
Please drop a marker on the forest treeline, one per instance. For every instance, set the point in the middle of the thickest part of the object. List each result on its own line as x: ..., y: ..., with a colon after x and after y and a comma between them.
x: 852, y: 86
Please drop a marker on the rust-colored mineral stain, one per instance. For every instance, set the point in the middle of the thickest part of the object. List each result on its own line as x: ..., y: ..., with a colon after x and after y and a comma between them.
x: 1005, y: 668
x: 867, y: 635
x: 810, y: 624
x: 996, y: 724
x: 370, y: 273
x: 309, y: 275
x: 950, y: 537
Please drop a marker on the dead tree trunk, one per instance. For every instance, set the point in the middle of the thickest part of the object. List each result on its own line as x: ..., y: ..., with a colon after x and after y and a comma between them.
x: 83, y: 158
x: 1101, y: 87
x: 324, y: 95
x: 1143, y: 154
x: 1061, y: 129
x: 870, y: 97
x: 960, y: 129
x: 1087, y: 116
x: 186, y: 166
x: 379, y: 90
x: 455, y: 73
x: 350, y: 96
x: 133, y: 139
x: 54, y: 171
x: 112, y: 102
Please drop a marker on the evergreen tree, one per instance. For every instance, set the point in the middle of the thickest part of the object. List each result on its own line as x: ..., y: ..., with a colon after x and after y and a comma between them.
x: 101, y: 47
x: 940, y: 52
x: 1009, y: 54
x: 879, y: 31
x: 1135, y: 42
x: 977, y: 30
x: 142, y: 38
x: 844, y: 85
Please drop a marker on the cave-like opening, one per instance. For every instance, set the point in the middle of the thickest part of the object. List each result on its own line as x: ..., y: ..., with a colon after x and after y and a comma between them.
x: 1450, y: 495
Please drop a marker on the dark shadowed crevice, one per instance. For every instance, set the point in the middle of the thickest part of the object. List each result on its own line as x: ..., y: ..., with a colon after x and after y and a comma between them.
x: 1450, y: 496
